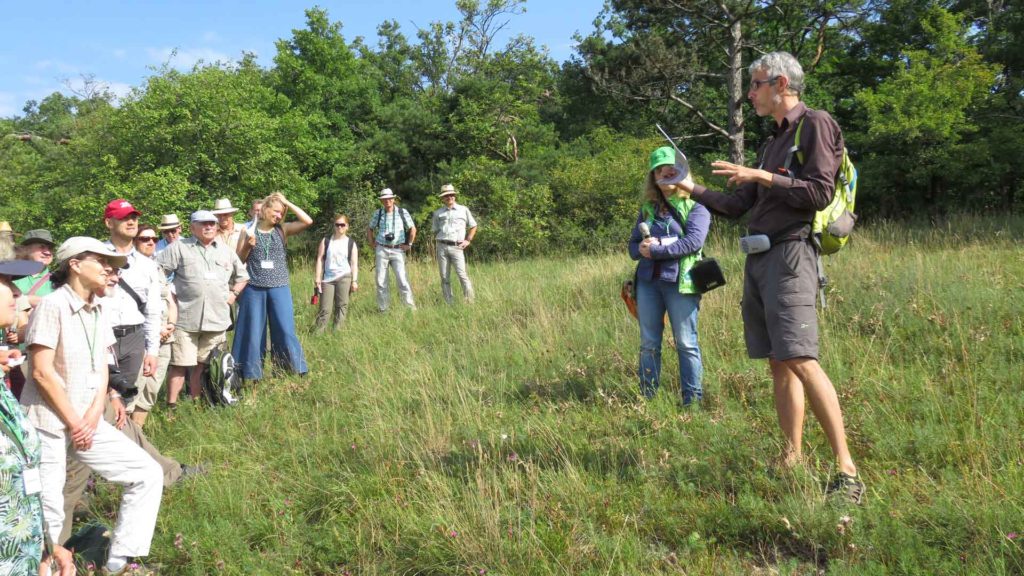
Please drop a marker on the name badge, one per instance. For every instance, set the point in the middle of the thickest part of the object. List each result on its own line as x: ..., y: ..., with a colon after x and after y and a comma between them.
x: 267, y: 264
x: 92, y: 381
x: 33, y: 481
x: 668, y: 240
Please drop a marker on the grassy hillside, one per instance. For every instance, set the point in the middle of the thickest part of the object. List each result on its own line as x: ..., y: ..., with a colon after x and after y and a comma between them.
x: 510, y: 438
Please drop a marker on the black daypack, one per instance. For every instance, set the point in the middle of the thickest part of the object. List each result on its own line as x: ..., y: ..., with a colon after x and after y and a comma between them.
x: 219, y: 379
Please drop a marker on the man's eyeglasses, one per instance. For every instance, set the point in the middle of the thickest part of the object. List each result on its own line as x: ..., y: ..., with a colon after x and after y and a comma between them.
x: 756, y: 84
x: 146, y: 239
x: 174, y: 232
x: 340, y: 224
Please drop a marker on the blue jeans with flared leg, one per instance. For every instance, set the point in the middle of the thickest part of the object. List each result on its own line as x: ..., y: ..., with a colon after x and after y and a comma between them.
x: 653, y: 300
x: 256, y: 308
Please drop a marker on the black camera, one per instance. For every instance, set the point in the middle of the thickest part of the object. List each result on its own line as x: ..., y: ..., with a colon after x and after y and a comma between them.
x: 119, y: 383
x: 390, y: 236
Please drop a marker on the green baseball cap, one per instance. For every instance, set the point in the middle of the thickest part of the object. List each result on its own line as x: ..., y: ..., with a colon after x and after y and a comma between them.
x: 666, y: 155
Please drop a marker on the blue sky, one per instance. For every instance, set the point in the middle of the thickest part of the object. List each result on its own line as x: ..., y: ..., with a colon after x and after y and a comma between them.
x: 49, y: 43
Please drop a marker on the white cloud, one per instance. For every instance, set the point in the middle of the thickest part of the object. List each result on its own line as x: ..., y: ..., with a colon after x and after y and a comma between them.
x: 184, y: 60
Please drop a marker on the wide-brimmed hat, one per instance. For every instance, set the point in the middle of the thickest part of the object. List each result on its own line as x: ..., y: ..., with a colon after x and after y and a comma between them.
x: 447, y: 190
x: 5, y: 226
x: 120, y: 209
x: 169, y: 222
x: 223, y: 206
x: 78, y: 244
x: 385, y: 194
x: 39, y: 235
x: 18, y: 268
x: 203, y: 216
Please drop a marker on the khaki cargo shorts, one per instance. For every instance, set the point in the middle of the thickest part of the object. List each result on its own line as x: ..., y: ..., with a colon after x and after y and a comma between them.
x: 190, y: 348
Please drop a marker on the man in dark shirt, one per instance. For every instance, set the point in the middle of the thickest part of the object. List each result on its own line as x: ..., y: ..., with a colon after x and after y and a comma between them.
x: 780, y: 283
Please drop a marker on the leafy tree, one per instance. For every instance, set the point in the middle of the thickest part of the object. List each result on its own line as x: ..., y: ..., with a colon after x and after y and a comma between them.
x: 692, y: 54
x: 921, y: 119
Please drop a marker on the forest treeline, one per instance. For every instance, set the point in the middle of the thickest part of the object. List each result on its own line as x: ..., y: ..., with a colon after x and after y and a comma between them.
x: 930, y: 95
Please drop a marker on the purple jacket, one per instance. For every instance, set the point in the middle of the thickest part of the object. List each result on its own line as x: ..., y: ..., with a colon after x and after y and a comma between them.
x: 690, y: 236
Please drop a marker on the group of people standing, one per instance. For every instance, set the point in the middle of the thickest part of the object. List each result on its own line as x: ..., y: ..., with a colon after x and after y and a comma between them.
x: 101, y: 331
x: 781, y: 196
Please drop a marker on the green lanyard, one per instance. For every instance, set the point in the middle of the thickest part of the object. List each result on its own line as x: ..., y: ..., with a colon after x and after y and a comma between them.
x: 265, y: 245
x: 91, y: 342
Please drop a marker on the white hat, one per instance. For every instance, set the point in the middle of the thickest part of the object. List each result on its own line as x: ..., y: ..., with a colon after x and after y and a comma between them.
x: 447, y: 190
x: 385, y: 194
x: 223, y: 206
x: 78, y: 244
x: 169, y: 222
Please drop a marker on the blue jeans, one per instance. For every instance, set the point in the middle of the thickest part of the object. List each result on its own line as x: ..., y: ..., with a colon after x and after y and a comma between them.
x: 653, y: 299
x: 255, y: 307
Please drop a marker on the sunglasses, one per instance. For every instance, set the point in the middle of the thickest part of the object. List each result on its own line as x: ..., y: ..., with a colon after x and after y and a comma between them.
x: 146, y: 239
x: 341, y: 224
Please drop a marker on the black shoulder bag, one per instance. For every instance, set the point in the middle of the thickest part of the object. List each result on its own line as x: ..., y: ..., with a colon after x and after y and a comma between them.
x: 706, y: 273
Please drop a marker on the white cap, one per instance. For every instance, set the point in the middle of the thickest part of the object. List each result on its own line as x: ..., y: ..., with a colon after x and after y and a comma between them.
x: 78, y: 244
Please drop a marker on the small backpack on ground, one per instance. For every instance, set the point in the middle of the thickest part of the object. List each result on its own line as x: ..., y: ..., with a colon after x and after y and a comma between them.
x: 219, y: 379
x: 833, y: 225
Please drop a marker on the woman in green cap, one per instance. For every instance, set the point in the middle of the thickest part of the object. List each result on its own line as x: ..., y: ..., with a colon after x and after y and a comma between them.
x: 667, y: 240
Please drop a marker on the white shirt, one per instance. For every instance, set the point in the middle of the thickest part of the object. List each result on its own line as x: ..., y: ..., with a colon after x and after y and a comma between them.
x: 338, y: 258
x: 120, y: 309
x: 450, y: 224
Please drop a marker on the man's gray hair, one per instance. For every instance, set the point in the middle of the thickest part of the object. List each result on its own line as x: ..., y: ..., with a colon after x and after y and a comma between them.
x: 781, y: 64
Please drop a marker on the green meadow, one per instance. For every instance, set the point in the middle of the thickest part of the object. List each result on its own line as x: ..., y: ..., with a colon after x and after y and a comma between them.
x: 509, y: 437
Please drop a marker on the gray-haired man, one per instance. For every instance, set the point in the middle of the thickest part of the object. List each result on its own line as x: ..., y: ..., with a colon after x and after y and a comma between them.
x: 780, y: 282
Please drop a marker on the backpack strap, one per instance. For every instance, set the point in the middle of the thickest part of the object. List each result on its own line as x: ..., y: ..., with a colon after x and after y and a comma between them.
x: 39, y: 284
x: 323, y: 261
x: 351, y: 245
x: 406, y: 226
x: 795, y: 148
x: 128, y: 289
x: 284, y: 237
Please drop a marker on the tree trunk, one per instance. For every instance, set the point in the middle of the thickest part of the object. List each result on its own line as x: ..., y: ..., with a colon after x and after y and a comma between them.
x: 734, y: 84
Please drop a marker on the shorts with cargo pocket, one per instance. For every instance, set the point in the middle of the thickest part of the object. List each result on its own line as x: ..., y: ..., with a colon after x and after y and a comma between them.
x: 779, y: 291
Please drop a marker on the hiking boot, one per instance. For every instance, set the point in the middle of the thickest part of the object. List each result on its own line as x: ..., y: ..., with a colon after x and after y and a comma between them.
x: 849, y: 487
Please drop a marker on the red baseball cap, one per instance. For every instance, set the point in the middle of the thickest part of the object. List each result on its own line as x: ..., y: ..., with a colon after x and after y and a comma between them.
x: 120, y: 209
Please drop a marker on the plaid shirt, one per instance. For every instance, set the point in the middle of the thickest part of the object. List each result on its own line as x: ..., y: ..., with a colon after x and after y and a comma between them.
x: 66, y: 324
